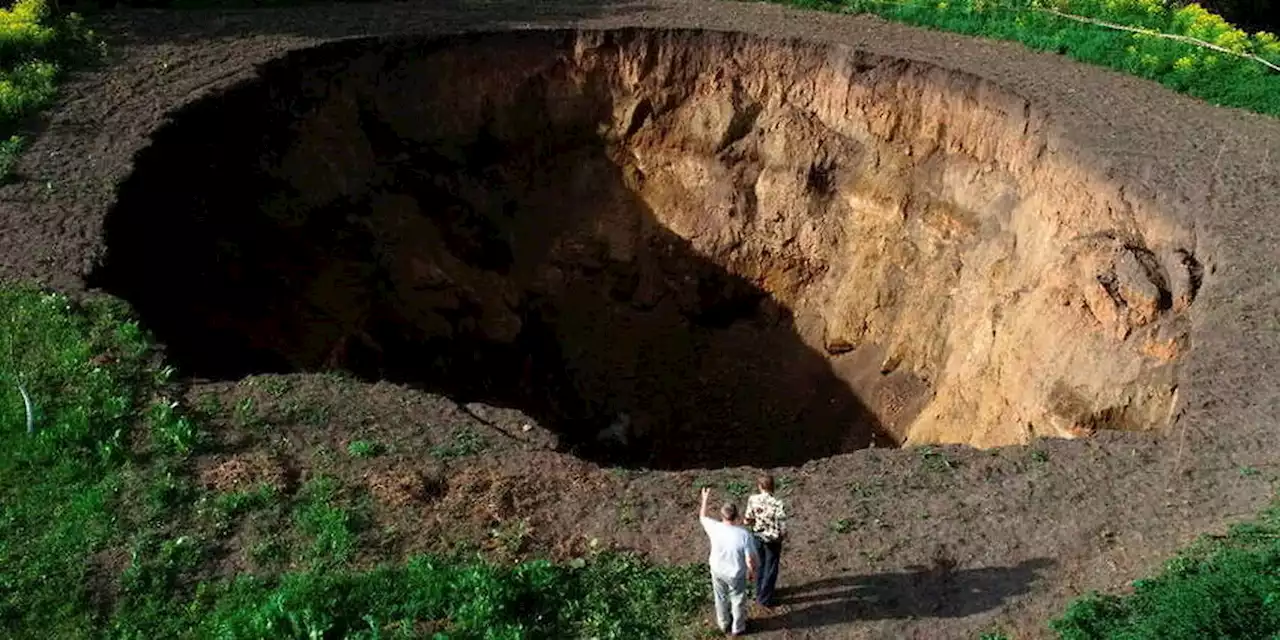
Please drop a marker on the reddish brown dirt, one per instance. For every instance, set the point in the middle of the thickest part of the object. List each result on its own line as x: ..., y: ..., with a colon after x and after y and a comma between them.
x: 243, y: 473
x: 938, y: 544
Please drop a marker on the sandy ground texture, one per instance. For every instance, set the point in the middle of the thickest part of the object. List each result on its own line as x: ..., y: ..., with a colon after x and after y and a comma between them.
x: 939, y: 543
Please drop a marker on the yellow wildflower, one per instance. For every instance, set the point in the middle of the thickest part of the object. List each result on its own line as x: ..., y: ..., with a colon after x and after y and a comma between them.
x: 1233, y: 40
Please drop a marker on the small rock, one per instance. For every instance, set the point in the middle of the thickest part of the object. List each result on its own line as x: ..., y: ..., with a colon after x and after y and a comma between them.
x: 839, y: 346
x: 1135, y: 286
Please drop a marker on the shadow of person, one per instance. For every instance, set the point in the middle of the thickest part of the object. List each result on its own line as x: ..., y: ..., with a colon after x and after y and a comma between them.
x: 924, y: 592
x: 446, y: 214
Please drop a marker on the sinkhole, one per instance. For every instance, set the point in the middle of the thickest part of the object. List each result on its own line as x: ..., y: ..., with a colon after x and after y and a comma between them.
x: 743, y: 250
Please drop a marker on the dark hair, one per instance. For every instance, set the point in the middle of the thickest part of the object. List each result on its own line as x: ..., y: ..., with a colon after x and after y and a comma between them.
x: 729, y: 511
x: 765, y: 482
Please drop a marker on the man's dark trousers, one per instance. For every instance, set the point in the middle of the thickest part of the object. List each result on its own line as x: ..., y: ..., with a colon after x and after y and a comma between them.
x: 767, y: 576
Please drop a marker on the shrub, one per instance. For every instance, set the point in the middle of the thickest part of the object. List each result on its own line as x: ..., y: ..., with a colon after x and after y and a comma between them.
x: 1210, y: 75
x: 35, y: 45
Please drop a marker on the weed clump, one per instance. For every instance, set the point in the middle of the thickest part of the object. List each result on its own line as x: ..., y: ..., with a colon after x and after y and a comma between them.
x: 363, y: 449
x: 465, y: 442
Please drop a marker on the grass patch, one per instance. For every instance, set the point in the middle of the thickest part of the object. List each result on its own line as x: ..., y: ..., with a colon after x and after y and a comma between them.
x: 511, y: 537
x: 1222, y: 587
x: 82, y: 366
x: 331, y: 525
x: 36, y: 46
x: 460, y: 599
x: 105, y: 533
x: 739, y: 489
x: 936, y: 461
x: 241, y: 502
x: 245, y: 414
x: 465, y: 442
x: 1216, y: 77
x: 843, y: 525
x: 363, y: 449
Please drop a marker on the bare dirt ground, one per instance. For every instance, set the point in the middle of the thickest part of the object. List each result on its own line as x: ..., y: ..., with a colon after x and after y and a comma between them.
x: 938, y: 543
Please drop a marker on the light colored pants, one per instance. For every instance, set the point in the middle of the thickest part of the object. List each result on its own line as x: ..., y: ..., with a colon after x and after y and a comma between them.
x: 731, y: 597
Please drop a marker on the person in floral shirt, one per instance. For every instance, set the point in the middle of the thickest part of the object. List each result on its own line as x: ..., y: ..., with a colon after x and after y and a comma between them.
x: 767, y: 517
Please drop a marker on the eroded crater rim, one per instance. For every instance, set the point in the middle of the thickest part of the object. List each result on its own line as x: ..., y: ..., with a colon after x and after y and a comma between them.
x: 678, y: 248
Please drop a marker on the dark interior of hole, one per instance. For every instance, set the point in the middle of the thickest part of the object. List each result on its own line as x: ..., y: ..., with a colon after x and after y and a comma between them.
x: 507, y: 299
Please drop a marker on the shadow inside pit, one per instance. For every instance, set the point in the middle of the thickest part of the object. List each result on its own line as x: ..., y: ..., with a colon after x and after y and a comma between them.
x: 927, y: 592
x: 490, y: 249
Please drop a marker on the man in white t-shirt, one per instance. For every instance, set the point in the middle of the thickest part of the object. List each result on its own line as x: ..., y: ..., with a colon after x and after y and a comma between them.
x: 732, y: 561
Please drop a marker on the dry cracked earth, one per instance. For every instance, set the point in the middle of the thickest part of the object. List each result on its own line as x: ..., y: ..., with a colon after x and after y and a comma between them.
x: 1006, y: 324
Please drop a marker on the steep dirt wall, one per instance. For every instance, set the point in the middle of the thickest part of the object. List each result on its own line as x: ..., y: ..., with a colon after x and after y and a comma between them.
x: 745, y: 235
x: 911, y: 216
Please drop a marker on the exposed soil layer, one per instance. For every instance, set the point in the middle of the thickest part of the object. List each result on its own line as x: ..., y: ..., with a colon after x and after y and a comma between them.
x: 940, y: 543
x: 694, y: 248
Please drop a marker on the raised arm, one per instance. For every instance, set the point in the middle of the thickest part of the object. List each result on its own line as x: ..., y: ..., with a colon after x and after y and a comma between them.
x: 706, y: 495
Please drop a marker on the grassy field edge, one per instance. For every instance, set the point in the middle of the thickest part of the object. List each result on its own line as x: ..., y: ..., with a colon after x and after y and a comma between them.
x: 105, y: 532
x: 1218, y: 76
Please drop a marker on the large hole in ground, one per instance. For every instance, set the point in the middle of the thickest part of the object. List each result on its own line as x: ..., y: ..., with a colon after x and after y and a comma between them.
x: 757, y: 251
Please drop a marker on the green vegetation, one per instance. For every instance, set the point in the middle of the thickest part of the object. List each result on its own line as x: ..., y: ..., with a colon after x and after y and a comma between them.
x: 363, y: 449
x: 461, y: 599
x: 332, y: 528
x: 512, y: 536
x: 1215, y: 76
x: 35, y: 47
x: 783, y: 485
x: 1222, y: 587
x: 232, y: 505
x: 738, y: 488
x: 936, y: 461
x: 465, y: 442
x: 83, y: 369
x: 103, y: 531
